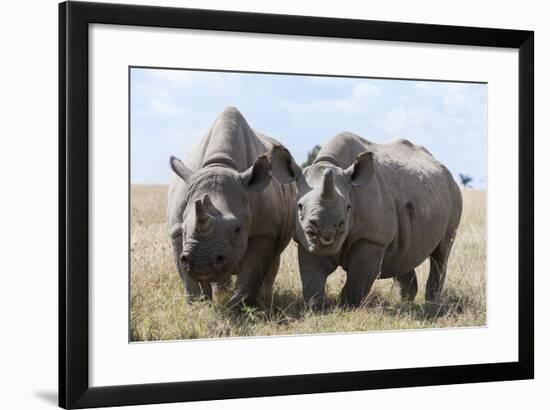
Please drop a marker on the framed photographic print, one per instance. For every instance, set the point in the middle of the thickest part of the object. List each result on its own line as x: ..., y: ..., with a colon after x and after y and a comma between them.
x: 256, y: 204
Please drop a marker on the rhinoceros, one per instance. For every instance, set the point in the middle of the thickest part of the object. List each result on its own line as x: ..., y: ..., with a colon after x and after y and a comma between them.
x: 376, y: 210
x: 225, y: 213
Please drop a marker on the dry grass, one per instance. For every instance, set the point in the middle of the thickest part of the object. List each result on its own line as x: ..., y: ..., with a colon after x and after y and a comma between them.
x: 159, y: 312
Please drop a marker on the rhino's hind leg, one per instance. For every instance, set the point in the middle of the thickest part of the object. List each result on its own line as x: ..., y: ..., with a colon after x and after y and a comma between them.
x: 438, y: 270
x: 408, y: 285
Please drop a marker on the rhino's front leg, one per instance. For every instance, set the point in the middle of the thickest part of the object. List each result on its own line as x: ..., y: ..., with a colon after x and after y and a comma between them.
x: 314, y: 271
x: 363, y: 267
x: 253, y: 269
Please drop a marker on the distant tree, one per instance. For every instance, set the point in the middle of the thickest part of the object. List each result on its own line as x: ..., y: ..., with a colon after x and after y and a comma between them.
x: 311, y: 155
x: 465, y: 180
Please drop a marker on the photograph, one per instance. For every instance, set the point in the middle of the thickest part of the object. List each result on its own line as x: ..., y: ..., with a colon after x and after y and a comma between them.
x: 280, y: 204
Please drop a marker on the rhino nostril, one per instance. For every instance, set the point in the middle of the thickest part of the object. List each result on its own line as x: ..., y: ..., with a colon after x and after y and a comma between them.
x: 220, y: 260
x: 313, y: 226
x: 184, y: 258
x: 311, y: 232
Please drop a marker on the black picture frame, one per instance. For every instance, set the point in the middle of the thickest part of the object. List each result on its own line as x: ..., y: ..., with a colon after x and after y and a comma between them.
x: 74, y: 388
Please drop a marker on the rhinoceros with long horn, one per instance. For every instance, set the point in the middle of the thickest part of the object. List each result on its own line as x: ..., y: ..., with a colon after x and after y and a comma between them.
x: 377, y: 210
x: 226, y: 214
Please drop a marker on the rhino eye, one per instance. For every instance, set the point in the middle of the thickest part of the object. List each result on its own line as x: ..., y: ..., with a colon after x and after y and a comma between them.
x: 349, y: 208
x: 238, y: 230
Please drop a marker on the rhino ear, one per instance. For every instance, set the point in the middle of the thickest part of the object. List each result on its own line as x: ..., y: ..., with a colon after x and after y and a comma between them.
x: 258, y: 176
x: 284, y: 167
x: 180, y: 169
x: 362, y: 169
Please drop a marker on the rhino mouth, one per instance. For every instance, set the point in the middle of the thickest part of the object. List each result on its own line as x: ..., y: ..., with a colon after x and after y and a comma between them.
x: 326, y: 242
x: 322, y: 250
x: 321, y: 245
x: 208, y: 276
x: 203, y: 278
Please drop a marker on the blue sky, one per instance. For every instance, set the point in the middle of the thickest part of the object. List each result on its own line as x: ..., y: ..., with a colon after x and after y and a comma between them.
x: 172, y: 109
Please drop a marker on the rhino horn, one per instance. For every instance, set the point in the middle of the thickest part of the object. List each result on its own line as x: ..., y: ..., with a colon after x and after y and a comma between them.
x: 327, y: 190
x: 203, y: 218
x: 207, y: 203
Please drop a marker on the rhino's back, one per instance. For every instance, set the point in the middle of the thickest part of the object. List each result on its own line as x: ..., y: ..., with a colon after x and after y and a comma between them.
x: 230, y: 141
x: 400, y: 155
x: 413, y: 199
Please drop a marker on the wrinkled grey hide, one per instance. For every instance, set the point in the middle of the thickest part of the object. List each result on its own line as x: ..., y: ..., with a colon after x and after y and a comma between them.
x: 226, y: 214
x: 377, y: 210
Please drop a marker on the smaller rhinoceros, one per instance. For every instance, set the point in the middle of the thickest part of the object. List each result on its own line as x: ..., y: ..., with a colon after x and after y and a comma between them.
x: 377, y: 210
x: 226, y: 214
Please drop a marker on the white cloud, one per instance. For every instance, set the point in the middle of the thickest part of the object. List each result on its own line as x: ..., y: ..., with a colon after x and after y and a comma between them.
x: 360, y: 96
x: 365, y: 90
x: 458, y: 101
x: 165, y: 107
x: 457, y: 98
x: 183, y: 79
x: 172, y: 77
x: 323, y: 81
x: 437, y: 107
x: 161, y: 88
x: 403, y: 121
x: 157, y: 100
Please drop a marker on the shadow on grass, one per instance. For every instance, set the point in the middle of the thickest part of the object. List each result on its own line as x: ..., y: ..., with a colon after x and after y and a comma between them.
x: 284, y: 307
x: 452, y: 305
x: 287, y: 307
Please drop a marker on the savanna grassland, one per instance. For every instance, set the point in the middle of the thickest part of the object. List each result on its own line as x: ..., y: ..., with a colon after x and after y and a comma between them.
x: 158, y: 310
